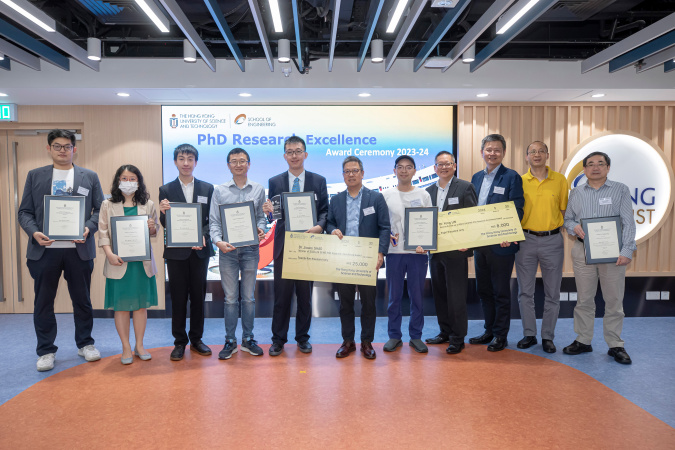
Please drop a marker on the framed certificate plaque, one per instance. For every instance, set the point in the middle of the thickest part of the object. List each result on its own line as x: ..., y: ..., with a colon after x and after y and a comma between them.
x: 64, y: 217
x: 238, y: 222
x: 602, y: 240
x: 184, y: 225
x: 130, y: 237
x: 421, y: 228
x: 299, y: 210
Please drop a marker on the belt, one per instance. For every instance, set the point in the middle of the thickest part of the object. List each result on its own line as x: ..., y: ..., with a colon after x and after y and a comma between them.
x: 542, y: 233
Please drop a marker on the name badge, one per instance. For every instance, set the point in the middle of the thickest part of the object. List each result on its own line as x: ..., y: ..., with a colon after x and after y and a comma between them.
x: 202, y: 199
x: 453, y: 201
x: 498, y: 190
x: 369, y: 210
x: 606, y: 201
x: 82, y: 191
x: 415, y: 203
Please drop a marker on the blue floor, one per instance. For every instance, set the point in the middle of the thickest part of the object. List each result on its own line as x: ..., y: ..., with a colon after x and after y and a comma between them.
x: 648, y: 382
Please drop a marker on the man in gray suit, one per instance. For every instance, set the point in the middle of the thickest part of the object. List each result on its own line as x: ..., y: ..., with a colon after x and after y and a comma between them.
x: 47, y: 258
x: 450, y: 270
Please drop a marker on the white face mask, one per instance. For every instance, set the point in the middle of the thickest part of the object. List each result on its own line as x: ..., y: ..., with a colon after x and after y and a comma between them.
x: 128, y: 187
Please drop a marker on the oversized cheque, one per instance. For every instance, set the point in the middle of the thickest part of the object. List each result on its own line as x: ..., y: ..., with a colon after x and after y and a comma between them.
x: 478, y: 226
x: 324, y: 257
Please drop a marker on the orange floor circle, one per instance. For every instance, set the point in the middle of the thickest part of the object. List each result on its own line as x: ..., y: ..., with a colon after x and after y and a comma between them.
x: 475, y: 399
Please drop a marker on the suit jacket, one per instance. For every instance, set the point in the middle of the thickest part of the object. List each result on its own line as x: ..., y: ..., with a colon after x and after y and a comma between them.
x: 374, y: 225
x: 31, y: 212
x: 110, y: 209
x: 313, y: 182
x: 465, y: 193
x: 513, y: 191
x: 174, y: 193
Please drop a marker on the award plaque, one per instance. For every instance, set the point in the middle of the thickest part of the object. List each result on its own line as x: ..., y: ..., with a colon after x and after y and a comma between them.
x: 602, y: 240
x: 276, y: 214
x: 64, y: 217
x: 238, y: 223
x: 184, y: 225
x: 299, y: 210
x: 421, y: 228
x: 130, y: 237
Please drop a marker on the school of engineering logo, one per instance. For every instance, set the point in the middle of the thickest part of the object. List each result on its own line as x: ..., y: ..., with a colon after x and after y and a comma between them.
x: 240, y: 119
x: 636, y: 162
x: 173, y: 121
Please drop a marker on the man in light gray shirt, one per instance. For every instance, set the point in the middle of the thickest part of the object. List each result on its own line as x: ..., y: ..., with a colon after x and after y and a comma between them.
x: 234, y: 260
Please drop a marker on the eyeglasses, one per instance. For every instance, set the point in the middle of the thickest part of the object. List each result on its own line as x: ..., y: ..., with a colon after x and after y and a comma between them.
x: 537, y: 152
x: 295, y: 153
x: 352, y: 172
x: 66, y: 147
x: 444, y: 165
x: 404, y: 167
x: 493, y: 150
x: 601, y: 165
x: 241, y: 162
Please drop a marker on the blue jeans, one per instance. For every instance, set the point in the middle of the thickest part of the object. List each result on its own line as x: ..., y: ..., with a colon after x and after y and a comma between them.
x: 415, y: 266
x: 244, y: 260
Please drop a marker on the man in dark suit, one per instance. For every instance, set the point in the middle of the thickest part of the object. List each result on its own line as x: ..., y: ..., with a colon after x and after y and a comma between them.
x: 47, y: 259
x: 296, y: 179
x: 358, y: 211
x: 494, y: 264
x: 450, y: 270
x: 187, y: 266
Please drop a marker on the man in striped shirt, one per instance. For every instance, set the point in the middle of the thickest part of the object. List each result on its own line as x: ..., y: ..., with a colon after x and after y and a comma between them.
x: 599, y: 197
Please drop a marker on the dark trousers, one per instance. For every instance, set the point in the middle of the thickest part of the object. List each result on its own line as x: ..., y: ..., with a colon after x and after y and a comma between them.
x: 347, y: 292
x: 449, y: 280
x: 283, y: 294
x: 493, y: 284
x: 46, y: 273
x: 187, y: 279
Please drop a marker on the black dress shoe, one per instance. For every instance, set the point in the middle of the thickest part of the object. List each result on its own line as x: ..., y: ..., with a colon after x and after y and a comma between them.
x: 276, y: 349
x: 200, y: 348
x: 345, y: 349
x: 440, y: 339
x: 527, y: 342
x: 305, y: 347
x: 498, y: 344
x: 548, y: 345
x: 576, y: 348
x: 368, y: 350
x: 454, y: 348
x: 620, y: 355
x: 177, y: 353
x: 484, y: 338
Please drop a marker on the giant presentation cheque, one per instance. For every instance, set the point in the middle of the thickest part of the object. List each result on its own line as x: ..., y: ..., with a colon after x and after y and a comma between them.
x: 478, y: 226
x: 324, y: 257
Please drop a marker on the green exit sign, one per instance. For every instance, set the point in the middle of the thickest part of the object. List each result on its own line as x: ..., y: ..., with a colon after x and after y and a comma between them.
x: 7, y: 112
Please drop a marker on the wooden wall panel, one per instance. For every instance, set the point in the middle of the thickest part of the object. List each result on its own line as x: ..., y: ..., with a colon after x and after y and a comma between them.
x: 562, y: 127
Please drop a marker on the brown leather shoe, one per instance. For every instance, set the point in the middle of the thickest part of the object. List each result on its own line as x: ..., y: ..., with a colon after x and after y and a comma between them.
x: 345, y: 349
x: 368, y: 350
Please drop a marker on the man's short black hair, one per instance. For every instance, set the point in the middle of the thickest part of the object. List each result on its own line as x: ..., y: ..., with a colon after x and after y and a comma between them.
x: 236, y: 151
x: 408, y: 157
x: 58, y: 133
x: 186, y: 149
x: 295, y: 140
x: 493, y: 138
x: 444, y: 152
x: 604, y: 155
x: 352, y: 158
x: 527, y: 149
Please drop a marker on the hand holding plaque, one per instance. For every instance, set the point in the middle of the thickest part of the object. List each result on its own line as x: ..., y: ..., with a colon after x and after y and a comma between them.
x: 238, y: 223
x: 64, y: 217
x: 130, y: 237
x: 184, y: 225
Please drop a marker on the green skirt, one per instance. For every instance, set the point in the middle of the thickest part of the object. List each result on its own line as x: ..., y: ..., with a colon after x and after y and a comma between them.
x: 133, y: 291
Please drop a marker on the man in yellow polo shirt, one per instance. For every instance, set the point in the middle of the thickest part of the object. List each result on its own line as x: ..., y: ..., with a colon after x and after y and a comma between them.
x: 545, y: 203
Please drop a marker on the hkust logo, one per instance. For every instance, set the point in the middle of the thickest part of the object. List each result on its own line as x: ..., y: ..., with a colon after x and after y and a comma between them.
x: 173, y: 121
x: 240, y: 119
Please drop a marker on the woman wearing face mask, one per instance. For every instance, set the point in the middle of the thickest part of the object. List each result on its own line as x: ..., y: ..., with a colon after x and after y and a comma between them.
x: 130, y: 286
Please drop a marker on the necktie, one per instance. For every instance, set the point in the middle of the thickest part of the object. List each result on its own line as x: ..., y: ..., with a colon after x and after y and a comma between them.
x: 296, y: 185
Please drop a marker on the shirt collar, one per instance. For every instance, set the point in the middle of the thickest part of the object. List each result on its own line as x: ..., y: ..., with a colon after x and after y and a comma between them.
x: 529, y: 175
x: 447, y: 185
x: 232, y: 183
x: 293, y: 177
x: 607, y: 183
x: 357, y: 195
x: 494, y: 172
x: 191, y: 183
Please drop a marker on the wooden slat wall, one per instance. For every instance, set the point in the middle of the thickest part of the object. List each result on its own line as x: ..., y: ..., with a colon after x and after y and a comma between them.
x: 563, y: 126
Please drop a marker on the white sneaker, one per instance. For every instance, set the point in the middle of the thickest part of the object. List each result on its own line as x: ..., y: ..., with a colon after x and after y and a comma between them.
x: 90, y: 353
x: 45, y: 362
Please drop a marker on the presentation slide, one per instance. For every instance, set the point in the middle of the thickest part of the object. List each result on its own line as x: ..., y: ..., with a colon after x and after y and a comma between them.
x: 375, y: 134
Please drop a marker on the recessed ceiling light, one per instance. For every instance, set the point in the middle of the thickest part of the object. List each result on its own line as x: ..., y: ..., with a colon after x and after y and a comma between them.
x: 244, y: 94
x: 122, y: 94
x: 597, y: 95
x: 481, y: 95
x: 2, y: 94
x: 364, y: 94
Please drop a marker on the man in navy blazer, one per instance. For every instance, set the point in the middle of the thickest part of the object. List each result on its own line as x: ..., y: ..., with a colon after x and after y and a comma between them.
x: 296, y: 179
x: 450, y: 270
x: 494, y: 264
x: 187, y: 267
x: 47, y: 259
x: 358, y: 211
